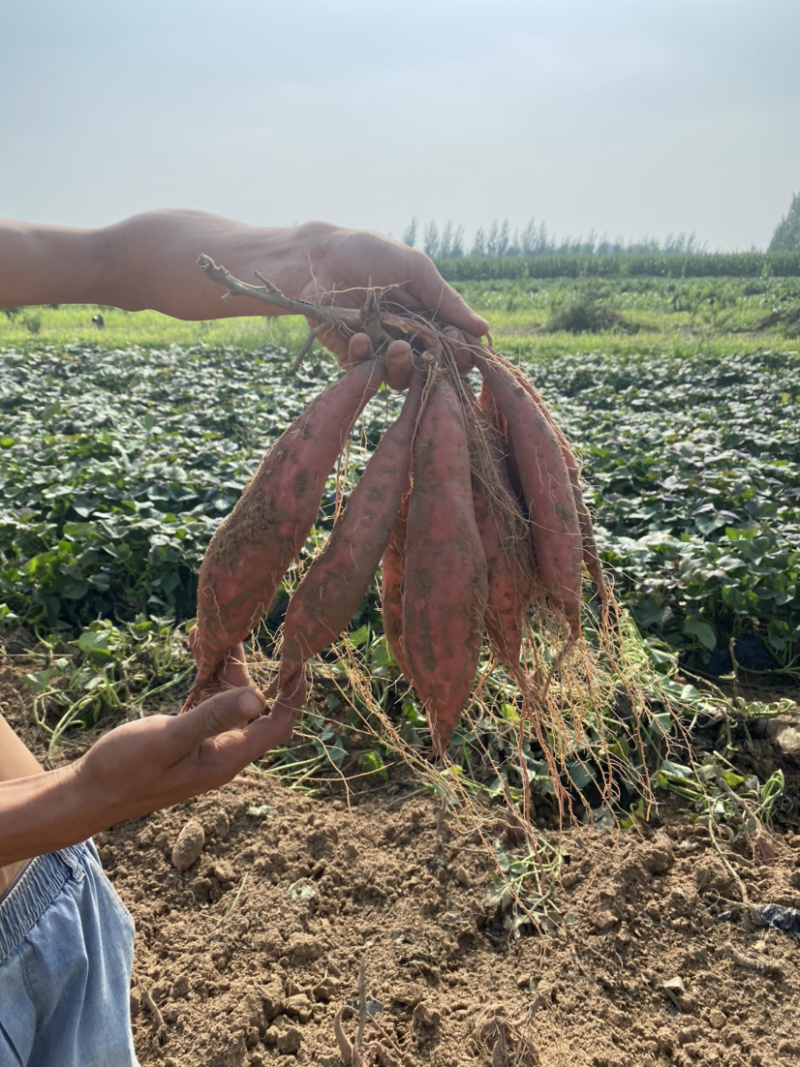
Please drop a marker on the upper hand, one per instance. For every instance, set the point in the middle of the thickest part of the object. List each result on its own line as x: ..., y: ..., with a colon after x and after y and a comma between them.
x: 346, y: 263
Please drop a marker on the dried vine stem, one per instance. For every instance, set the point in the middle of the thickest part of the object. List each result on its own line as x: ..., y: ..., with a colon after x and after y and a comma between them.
x: 382, y: 326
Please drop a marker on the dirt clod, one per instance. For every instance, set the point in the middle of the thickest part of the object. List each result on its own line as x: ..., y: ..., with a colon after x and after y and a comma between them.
x: 189, y: 845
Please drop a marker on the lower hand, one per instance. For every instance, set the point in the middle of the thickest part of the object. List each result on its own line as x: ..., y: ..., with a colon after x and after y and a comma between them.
x: 161, y: 760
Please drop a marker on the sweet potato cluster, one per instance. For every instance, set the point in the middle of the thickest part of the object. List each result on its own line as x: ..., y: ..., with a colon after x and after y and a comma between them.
x: 470, y: 506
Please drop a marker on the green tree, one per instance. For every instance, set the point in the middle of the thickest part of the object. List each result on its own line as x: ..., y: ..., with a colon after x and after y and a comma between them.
x: 787, y: 233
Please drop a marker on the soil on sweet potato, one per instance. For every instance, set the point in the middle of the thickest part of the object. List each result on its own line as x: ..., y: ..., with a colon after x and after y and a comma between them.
x: 247, y: 957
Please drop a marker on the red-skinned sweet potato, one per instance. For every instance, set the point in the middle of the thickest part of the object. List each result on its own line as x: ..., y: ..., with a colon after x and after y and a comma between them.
x: 509, y: 561
x: 445, y: 584
x: 392, y: 571
x: 249, y: 553
x: 546, y: 487
x: 590, y: 554
x: 338, y: 578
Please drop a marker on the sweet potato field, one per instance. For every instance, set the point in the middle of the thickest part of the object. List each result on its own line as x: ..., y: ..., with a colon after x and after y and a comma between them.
x: 118, y: 464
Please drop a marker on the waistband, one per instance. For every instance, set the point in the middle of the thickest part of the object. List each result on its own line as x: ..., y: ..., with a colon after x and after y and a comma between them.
x: 35, y: 889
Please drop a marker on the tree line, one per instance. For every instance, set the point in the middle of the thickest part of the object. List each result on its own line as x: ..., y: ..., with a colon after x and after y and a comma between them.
x: 499, y: 240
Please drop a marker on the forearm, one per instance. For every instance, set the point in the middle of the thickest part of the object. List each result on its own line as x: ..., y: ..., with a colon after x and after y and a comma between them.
x: 43, y: 813
x: 150, y: 261
x: 48, y: 264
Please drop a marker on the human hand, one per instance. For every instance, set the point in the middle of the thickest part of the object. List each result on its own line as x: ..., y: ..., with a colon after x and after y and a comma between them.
x: 161, y: 760
x: 344, y: 264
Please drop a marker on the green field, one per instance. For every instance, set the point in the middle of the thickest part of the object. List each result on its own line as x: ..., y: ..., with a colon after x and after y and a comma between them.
x: 122, y: 449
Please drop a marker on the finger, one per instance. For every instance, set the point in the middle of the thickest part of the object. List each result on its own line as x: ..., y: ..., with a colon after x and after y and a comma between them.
x: 276, y: 729
x: 336, y: 340
x: 234, y: 673
x: 399, y: 365
x: 359, y: 348
x: 230, y: 710
x: 430, y: 287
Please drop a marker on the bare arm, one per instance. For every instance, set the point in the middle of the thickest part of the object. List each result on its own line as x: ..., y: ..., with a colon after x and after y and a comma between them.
x: 150, y: 261
x: 135, y: 769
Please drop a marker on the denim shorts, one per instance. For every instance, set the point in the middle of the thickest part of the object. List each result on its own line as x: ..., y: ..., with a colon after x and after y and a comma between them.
x: 66, y: 951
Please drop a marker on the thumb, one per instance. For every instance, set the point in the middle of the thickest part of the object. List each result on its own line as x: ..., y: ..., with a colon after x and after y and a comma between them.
x: 230, y: 710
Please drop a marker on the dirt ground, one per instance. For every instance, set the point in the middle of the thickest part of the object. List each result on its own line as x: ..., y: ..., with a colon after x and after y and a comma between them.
x: 302, y: 916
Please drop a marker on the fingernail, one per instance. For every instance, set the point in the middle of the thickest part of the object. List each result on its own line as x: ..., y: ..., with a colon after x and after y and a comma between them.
x: 250, y: 703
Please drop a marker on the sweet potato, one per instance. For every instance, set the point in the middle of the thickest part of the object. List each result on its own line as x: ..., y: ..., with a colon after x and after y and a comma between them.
x: 392, y: 571
x: 445, y: 585
x: 591, y: 556
x: 338, y: 578
x: 509, y: 561
x: 546, y: 487
x: 249, y: 553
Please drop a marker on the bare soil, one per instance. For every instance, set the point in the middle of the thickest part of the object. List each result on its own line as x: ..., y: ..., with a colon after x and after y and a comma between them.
x: 298, y: 911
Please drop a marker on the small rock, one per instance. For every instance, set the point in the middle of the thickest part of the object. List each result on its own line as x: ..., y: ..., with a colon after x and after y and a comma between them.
x: 675, y: 986
x: 254, y: 1013
x: 604, y: 920
x: 787, y: 738
x: 180, y: 987
x: 462, y: 877
x: 664, y: 1040
x: 659, y: 859
x: 426, y: 1015
x: 220, y: 826
x: 272, y: 998
x: 189, y: 845
x: 676, y: 991
x: 716, y: 1018
x: 299, y: 1007
x: 326, y: 990
x: 303, y: 947
x: 289, y: 1043
x: 224, y: 871
x: 270, y: 1038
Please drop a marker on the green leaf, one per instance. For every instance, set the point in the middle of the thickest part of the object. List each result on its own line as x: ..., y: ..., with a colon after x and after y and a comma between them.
x: 94, y: 641
x: 359, y: 637
x: 702, y: 631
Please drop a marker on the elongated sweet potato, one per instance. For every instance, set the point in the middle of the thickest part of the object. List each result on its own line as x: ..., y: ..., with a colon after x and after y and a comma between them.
x: 249, y: 553
x: 392, y: 571
x: 509, y: 561
x: 546, y: 486
x: 335, y: 583
x: 445, y: 585
x: 591, y: 556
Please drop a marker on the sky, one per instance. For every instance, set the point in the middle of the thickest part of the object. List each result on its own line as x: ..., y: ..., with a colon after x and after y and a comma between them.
x: 630, y: 118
